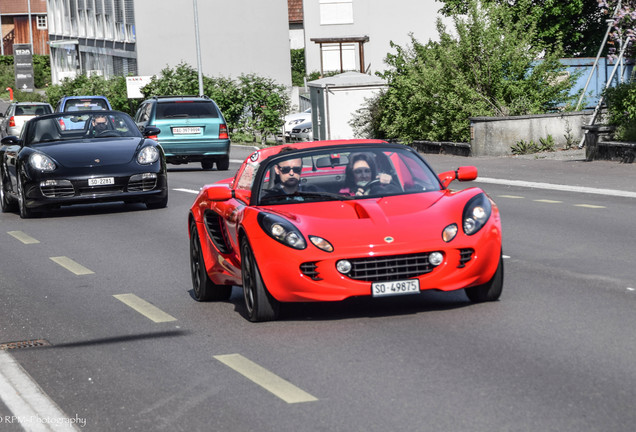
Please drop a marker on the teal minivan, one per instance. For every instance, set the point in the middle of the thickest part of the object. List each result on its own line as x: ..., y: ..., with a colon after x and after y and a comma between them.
x: 193, y: 129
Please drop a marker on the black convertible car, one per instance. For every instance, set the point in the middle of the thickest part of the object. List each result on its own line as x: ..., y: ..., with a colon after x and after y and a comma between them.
x: 81, y: 157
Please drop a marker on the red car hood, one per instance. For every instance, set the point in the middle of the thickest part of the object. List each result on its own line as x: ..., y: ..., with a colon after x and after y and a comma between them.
x: 84, y: 153
x: 390, y: 223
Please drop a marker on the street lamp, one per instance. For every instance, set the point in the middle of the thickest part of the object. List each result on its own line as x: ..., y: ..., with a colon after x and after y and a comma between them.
x: 198, y: 45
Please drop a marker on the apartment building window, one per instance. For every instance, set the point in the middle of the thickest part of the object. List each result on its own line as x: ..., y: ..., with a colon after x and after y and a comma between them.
x: 42, y: 23
x: 341, y: 54
x: 336, y: 12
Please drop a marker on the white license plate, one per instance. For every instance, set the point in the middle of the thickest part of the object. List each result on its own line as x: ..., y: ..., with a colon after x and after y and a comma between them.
x: 186, y: 130
x: 101, y: 181
x: 381, y: 289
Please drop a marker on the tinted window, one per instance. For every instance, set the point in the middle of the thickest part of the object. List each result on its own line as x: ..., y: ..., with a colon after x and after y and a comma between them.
x: 32, y: 110
x: 186, y: 109
x: 86, y: 104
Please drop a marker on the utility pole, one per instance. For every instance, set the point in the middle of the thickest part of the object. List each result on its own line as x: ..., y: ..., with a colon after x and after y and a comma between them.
x: 198, y: 46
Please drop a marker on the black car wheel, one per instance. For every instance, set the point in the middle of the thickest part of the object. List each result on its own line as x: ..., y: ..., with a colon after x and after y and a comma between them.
x: 207, y: 164
x: 25, y: 212
x: 223, y: 163
x: 260, y: 305
x: 6, y: 203
x: 491, y: 290
x: 204, y: 289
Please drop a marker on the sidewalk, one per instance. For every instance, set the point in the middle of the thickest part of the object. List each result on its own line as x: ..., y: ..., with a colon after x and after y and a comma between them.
x: 567, y: 167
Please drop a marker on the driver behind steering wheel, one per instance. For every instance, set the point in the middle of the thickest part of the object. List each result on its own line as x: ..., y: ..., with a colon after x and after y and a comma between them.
x: 100, y: 124
x: 361, y: 173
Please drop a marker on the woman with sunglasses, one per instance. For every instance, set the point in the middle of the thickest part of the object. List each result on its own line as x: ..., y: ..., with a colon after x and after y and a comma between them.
x: 360, y: 172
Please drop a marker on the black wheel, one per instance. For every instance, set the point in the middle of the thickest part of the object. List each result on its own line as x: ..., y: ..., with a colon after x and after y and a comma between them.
x: 204, y: 289
x: 207, y: 164
x: 6, y: 203
x: 223, y: 163
x: 491, y: 290
x: 260, y: 305
x: 163, y: 203
x: 25, y: 212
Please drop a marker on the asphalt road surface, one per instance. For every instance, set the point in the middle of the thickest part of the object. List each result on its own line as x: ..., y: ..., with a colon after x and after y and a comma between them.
x: 99, y: 300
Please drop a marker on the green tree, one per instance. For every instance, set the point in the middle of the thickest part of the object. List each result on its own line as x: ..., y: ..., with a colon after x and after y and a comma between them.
x: 487, y: 67
x: 577, y: 26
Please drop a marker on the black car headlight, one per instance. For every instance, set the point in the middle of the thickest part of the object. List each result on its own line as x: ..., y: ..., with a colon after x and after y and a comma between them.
x: 148, y: 155
x: 476, y: 214
x: 281, y: 230
x: 41, y: 162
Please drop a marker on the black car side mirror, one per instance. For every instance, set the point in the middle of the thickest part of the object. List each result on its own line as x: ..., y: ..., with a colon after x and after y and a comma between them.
x: 150, y: 131
x: 10, y: 140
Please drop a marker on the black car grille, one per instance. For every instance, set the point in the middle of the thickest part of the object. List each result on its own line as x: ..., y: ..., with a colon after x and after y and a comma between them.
x: 61, y: 188
x: 100, y: 190
x: 216, y: 230
x: 309, y: 269
x: 465, y: 255
x: 138, y: 183
x: 295, y: 130
x: 389, y: 268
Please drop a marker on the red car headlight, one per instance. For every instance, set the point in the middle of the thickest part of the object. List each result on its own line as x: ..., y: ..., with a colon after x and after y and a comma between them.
x: 281, y: 230
x: 476, y: 214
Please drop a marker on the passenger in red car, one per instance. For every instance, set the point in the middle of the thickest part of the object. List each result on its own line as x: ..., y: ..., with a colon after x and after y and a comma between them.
x: 360, y: 172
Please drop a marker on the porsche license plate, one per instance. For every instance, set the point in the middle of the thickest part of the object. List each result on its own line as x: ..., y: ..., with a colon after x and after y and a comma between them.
x: 381, y: 289
x: 101, y: 181
x: 186, y: 130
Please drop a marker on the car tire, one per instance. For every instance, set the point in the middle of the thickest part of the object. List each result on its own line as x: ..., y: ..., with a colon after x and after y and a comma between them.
x: 259, y: 303
x: 223, y: 163
x: 202, y: 287
x: 491, y: 290
x: 6, y: 203
x: 25, y: 212
x: 207, y: 164
x: 153, y: 205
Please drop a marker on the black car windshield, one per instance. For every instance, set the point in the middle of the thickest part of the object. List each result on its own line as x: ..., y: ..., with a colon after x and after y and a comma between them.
x: 343, y: 173
x: 84, y: 125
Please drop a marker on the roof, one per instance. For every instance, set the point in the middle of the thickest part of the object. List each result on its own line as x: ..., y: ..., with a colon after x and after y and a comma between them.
x: 295, y: 11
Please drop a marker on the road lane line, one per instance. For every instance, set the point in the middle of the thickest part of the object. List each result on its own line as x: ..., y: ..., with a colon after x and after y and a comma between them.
x: 547, y: 201
x: 266, y: 379
x: 31, y: 408
x: 590, y: 206
x: 565, y: 188
x: 148, y: 310
x: 71, y: 265
x: 510, y: 196
x: 192, y: 191
x: 23, y: 237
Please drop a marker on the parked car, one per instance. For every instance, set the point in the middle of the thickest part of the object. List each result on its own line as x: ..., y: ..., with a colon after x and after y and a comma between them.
x: 17, y: 113
x: 107, y: 159
x: 302, y: 132
x: 83, y: 103
x: 193, y: 129
x: 292, y: 120
x: 401, y: 231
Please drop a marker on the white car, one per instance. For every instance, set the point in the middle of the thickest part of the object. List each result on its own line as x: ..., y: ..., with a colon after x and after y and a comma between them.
x: 18, y: 113
x: 302, y: 132
x: 293, y: 120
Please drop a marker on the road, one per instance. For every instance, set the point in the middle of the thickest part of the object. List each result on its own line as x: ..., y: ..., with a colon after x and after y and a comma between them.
x: 100, y: 296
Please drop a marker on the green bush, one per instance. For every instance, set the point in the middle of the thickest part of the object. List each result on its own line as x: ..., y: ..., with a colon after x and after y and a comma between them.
x: 621, y: 110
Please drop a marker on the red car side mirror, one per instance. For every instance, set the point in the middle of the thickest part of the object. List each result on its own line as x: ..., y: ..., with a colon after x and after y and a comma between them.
x: 219, y: 192
x: 465, y: 173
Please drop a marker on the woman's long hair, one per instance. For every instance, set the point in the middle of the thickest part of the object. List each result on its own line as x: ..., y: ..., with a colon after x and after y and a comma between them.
x: 350, y: 180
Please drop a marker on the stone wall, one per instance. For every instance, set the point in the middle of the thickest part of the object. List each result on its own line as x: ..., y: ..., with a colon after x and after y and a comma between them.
x: 494, y: 136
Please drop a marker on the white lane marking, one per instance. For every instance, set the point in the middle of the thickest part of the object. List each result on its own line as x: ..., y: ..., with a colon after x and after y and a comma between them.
x: 23, y: 237
x: 145, y: 308
x: 547, y: 201
x: 192, y: 191
x: 631, y: 289
x: 31, y: 408
x: 510, y: 196
x: 506, y: 256
x: 590, y: 206
x: 266, y: 379
x: 565, y: 188
x: 71, y: 265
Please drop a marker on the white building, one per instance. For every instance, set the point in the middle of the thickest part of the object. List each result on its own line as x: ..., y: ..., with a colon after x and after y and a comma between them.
x: 142, y: 37
x: 355, y: 35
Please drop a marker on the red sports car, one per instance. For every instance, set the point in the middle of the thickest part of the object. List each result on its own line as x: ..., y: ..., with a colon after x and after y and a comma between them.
x: 328, y: 220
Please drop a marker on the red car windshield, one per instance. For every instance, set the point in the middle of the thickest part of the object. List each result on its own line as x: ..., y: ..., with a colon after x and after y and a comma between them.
x: 346, y: 173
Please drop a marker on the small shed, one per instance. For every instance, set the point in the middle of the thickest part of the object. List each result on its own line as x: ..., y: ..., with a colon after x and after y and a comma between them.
x: 335, y: 99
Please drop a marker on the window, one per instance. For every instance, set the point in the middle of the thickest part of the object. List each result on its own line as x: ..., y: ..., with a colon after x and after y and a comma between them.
x: 336, y: 12
x: 42, y: 23
x: 342, y: 54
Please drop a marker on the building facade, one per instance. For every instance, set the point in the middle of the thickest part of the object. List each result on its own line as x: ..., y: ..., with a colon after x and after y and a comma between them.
x: 24, y: 22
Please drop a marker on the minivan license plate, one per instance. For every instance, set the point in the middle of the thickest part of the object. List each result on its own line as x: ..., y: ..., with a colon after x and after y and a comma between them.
x: 381, y: 289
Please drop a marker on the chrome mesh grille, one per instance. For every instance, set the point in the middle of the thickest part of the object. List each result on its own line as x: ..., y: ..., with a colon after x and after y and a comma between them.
x: 390, y: 268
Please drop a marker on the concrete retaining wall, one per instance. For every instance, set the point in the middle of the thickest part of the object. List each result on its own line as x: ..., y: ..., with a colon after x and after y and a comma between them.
x: 494, y: 136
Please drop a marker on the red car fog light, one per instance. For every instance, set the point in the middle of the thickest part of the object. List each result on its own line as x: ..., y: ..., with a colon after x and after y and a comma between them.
x: 343, y: 266
x: 435, y: 258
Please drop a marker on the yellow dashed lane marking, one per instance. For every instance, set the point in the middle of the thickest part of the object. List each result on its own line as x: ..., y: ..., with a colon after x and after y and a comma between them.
x: 148, y: 310
x: 547, y: 201
x: 266, y: 379
x: 71, y: 265
x: 590, y: 206
x: 510, y: 196
x: 24, y: 238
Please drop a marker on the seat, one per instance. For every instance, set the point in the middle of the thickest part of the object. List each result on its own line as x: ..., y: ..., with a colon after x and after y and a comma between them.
x: 19, y: 111
x: 39, y: 111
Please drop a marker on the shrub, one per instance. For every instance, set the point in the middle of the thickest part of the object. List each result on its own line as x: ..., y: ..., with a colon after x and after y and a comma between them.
x: 621, y: 110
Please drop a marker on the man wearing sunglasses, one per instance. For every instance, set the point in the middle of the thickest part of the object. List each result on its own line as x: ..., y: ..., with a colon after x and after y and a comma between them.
x: 289, y: 174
